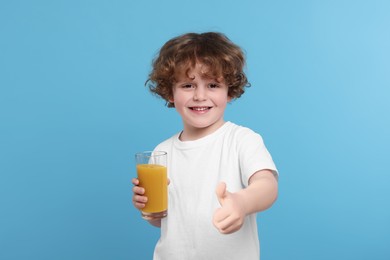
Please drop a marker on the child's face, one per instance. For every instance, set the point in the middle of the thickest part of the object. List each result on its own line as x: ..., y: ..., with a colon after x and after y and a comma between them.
x: 200, y: 100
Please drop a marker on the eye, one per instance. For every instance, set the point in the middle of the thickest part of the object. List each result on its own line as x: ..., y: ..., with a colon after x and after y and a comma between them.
x: 187, y: 86
x: 213, y: 85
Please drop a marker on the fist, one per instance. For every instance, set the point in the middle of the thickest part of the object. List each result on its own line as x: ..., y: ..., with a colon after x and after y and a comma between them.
x: 230, y: 216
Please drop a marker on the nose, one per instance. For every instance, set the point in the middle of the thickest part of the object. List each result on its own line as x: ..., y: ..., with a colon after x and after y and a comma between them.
x: 200, y: 93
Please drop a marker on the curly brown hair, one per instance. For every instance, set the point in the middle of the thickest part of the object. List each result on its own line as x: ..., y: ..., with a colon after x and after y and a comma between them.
x: 214, y: 50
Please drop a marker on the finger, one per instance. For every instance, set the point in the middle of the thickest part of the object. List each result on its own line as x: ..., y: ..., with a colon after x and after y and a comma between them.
x: 135, y: 181
x: 228, y: 225
x: 169, y: 181
x: 138, y: 190
x: 140, y: 199
x: 219, y: 216
x: 221, y: 192
x: 139, y: 205
x: 225, y: 224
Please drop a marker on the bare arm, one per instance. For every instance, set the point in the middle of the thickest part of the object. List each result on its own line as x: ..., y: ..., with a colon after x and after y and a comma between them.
x: 260, y: 194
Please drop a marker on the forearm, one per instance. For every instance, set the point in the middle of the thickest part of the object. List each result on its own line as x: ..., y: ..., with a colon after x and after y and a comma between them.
x: 261, y: 192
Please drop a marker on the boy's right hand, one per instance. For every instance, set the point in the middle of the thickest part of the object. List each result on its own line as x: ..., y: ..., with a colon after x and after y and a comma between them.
x: 139, y: 200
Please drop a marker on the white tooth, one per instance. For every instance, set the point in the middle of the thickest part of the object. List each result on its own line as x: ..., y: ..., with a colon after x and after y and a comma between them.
x: 200, y: 108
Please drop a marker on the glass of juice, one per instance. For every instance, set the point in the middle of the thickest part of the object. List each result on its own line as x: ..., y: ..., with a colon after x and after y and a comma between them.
x: 152, y: 176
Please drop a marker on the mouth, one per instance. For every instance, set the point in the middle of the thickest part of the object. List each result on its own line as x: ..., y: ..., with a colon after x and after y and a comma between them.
x: 200, y: 109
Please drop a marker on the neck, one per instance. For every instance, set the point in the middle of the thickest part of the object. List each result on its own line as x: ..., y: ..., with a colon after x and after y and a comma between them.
x: 190, y: 133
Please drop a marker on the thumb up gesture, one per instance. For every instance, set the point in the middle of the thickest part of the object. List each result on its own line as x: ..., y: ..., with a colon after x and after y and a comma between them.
x: 230, y: 216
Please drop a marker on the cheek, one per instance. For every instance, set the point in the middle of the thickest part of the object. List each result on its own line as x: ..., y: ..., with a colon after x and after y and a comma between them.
x: 178, y: 99
x: 223, y: 99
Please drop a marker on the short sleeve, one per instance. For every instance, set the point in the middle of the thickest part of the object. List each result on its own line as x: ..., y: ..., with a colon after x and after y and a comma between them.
x: 253, y: 155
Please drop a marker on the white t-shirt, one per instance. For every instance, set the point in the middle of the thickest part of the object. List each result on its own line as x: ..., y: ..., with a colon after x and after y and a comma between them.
x: 231, y: 154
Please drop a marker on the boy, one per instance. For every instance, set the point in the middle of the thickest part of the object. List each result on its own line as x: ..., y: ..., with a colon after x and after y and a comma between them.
x: 221, y: 174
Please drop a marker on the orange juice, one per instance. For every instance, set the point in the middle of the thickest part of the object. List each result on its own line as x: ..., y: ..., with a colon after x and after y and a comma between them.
x: 153, y: 178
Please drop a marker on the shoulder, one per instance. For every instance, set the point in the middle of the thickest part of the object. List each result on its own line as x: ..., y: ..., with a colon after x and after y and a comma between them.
x: 241, y: 132
x: 164, y: 145
x: 243, y: 138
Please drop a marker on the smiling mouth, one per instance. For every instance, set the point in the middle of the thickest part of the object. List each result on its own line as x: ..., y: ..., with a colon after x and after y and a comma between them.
x: 200, y: 109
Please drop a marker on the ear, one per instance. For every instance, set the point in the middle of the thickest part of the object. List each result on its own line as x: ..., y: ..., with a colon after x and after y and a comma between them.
x: 170, y: 95
x: 229, y: 99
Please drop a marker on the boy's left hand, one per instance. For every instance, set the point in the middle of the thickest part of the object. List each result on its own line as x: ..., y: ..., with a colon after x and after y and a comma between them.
x: 230, y: 217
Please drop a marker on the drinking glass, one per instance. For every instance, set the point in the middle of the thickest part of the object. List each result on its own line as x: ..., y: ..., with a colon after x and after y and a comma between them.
x: 152, y: 176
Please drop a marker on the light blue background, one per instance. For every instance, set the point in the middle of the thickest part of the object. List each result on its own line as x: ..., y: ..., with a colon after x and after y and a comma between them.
x: 74, y: 110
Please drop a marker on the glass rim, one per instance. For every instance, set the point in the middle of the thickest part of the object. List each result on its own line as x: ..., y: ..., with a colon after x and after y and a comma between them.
x: 150, y: 154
